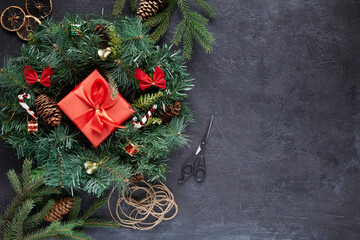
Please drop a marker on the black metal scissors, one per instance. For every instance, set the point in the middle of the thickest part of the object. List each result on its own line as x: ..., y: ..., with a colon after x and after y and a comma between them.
x: 195, y: 165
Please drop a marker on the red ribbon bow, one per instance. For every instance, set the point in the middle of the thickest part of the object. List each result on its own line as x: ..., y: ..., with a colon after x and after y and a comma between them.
x: 146, y: 81
x: 31, y: 77
x: 99, y: 100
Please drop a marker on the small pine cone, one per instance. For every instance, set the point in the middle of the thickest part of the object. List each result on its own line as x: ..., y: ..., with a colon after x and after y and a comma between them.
x: 137, y: 178
x: 61, y: 207
x: 149, y: 8
x: 48, y: 110
x: 170, y: 112
x: 101, y: 31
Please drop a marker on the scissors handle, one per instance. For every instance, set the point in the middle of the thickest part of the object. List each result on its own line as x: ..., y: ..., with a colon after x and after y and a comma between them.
x: 187, y: 170
x: 200, y: 169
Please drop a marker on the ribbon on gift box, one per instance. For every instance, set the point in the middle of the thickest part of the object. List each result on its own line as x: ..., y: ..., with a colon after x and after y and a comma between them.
x: 95, y: 98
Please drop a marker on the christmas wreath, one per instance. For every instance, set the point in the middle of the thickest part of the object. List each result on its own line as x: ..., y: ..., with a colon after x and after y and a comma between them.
x: 95, y: 103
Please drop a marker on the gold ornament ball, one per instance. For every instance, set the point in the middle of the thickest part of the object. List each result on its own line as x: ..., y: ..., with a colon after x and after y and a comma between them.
x: 104, y: 53
x: 90, y: 167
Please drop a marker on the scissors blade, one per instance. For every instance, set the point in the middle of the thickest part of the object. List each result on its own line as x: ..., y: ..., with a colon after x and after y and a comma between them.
x: 198, y: 150
x: 204, y: 141
x: 209, y: 128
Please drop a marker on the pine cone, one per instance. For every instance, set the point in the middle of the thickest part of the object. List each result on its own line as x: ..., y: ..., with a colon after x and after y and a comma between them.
x: 170, y: 112
x: 101, y: 31
x: 61, y: 207
x: 149, y: 8
x: 137, y: 178
x: 48, y: 110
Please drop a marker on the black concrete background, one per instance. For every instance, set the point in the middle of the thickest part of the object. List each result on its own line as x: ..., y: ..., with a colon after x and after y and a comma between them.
x: 283, y: 154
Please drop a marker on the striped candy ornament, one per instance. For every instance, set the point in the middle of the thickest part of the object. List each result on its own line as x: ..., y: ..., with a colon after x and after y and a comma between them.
x: 24, y: 105
x: 145, y: 118
x: 33, y: 124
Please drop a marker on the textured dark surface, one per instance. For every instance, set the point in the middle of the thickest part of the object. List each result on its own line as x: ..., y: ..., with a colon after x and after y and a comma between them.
x: 283, y: 154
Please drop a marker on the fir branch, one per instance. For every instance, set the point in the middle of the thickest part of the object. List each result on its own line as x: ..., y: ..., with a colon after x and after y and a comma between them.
x: 132, y: 39
x: 45, y: 191
x: 37, y: 218
x: 118, y: 61
x: 160, y: 29
x: 75, y: 209
x: 19, y: 198
x: 206, y: 7
x: 19, y: 218
x: 175, y: 133
x: 13, y: 79
x: 133, y: 5
x: 183, y: 6
x: 15, y: 181
x: 179, y: 33
x: 187, y: 42
x: 62, y: 56
x: 26, y: 190
x: 93, y: 208
x: 22, y: 225
x: 118, y: 7
x: 77, y: 235
x: 93, y: 222
x: 145, y: 102
x: 115, y: 42
x: 153, y: 121
x: 112, y: 171
x: 113, y: 86
x: 161, y: 21
x: 61, y: 175
x: 26, y: 172
x: 55, y: 228
x: 191, y: 27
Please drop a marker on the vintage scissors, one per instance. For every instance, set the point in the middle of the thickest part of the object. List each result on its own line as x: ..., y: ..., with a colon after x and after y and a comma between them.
x: 195, y: 165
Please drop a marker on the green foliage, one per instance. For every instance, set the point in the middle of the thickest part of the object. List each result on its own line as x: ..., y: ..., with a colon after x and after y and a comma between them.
x: 192, y: 26
x: 115, y: 42
x: 60, y: 152
x: 153, y: 120
x: 146, y: 101
x: 118, y: 7
x: 23, y: 218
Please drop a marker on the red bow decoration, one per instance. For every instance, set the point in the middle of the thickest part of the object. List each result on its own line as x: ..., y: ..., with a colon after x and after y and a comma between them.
x: 99, y: 100
x: 31, y: 77
x: 146, y: 81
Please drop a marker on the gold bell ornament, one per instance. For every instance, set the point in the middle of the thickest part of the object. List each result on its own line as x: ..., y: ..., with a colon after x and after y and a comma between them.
x: 90, y: 166
x: 104, y: 53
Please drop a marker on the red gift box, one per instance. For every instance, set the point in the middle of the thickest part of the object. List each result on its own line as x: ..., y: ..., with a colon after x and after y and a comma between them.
x: 91, y: 108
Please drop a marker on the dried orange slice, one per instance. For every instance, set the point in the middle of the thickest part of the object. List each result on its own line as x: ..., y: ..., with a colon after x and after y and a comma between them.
x: 29, y: 26
x: 39, y: 8
x: 13, y: 18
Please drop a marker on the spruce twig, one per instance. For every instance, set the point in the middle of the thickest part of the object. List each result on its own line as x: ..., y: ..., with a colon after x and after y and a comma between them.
x: 22, y: 224
x: 191, y: 27
x: 118, y: 7
x: 145, y: 102
x: 93, y: 208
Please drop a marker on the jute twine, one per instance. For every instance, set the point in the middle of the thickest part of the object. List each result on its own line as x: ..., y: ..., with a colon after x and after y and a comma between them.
x: 157, y: 205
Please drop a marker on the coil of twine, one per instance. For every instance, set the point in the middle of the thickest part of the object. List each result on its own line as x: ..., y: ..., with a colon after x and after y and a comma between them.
x: 145, y: 213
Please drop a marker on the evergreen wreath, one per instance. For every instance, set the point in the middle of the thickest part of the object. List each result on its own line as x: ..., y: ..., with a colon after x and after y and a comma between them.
x: 71, y: 49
